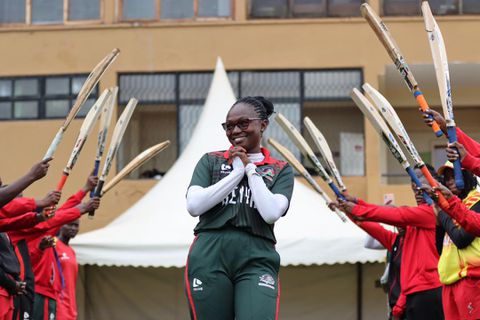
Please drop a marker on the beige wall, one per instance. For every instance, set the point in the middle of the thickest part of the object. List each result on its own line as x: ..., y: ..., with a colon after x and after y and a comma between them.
x: 190, y: 46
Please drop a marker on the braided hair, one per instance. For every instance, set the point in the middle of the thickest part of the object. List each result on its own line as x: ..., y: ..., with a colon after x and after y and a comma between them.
x: 263, y: 107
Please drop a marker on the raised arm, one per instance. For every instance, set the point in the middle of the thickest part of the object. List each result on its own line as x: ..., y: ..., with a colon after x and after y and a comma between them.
x: 420, y: 216
x: 37, y: 172
x: 201, y: 196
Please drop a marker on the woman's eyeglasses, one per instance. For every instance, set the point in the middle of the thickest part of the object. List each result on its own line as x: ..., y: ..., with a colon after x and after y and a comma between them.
x: 241, y: 124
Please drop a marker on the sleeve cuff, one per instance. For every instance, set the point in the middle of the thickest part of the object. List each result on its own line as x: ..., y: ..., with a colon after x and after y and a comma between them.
x: 356, y: 211
x: 31, y: 204
x: 361, y: 202
x: 468, y: 162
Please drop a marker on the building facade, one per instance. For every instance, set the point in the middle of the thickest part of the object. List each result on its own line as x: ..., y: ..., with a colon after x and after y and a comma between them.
x: 305, y: 55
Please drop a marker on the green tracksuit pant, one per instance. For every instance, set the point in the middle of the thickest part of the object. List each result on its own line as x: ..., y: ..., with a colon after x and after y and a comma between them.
x: 44, y: 308
x: 232, y: 274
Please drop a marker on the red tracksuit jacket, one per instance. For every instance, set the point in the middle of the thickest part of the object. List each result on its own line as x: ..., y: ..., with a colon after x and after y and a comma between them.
x: 17, y: 207
x: 471, y: 162
x: 44, y: 264
x: 419, y: 256
x: 17, y: 214
x: 67, y: 304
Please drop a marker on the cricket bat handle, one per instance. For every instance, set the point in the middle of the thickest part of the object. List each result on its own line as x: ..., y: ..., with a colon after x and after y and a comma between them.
x: 98, y: 192
x: 337, y: 192
x: 424, y: 106
x: 417, y: 182
x: 441, y: 199
x: 95, y: 173
x: 457, y: 166
x: 60, y: 185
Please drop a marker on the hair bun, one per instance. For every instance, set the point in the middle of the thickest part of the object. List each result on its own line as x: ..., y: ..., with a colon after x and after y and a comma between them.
x: 267, y: 104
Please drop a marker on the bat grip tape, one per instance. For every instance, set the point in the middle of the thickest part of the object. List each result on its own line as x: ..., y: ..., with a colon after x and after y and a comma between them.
x: 417, y: 182
x: 424, y: 106
x: 457, y: 166
x: 433, y: 183
x: 337, y: 192
x: 95, y: 173
x: 98, y: 192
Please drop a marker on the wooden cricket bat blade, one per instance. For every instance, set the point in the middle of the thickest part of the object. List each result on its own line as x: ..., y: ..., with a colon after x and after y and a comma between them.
x: 138, y: 161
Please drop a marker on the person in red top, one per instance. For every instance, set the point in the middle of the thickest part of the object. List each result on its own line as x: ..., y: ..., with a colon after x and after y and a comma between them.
x: 468, y: 149
x: 67, y: 304
x: 12, y: 284
x: 18, y: 253
x: 44, y: 258
x: 418, y: 276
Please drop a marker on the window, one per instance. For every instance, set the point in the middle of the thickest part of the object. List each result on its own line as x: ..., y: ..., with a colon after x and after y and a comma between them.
x: 41, y: 97
x: 48, y: 11
x: 174, y: 102
x: 12, y: 11
x: 439, y: 7
x: 175, y: 9
x: 281, y: 9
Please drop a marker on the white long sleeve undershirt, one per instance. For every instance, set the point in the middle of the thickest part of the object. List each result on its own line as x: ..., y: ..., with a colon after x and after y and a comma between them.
x: 270, y: 206
x: 200, y: 200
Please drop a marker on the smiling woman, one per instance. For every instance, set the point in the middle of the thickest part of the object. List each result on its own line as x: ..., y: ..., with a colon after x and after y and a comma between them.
x: 232, y: 267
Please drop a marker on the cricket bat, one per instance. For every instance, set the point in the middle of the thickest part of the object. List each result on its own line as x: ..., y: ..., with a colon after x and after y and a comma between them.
x: 138, y: 161
x: 383, y: 34
x: 301, y: 170
x: 440, y: 61
x: 382, y: 129
x: 305, y: 149
x: 325, y: 151
x: 117, y: 136
x: 391, y: 117
x: 82, y: 96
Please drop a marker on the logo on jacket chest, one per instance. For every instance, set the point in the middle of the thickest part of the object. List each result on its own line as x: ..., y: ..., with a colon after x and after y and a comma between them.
x: 225, y: 168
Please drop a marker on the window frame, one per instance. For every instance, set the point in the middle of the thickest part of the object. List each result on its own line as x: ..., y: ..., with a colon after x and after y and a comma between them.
x: 291, y: 16
x: 41, y: 98
x: 66, y: 21
x: 159, y: 19
x: 459, y: 12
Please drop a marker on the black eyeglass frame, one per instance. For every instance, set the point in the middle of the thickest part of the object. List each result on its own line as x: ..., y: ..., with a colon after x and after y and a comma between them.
x: 242, y: 126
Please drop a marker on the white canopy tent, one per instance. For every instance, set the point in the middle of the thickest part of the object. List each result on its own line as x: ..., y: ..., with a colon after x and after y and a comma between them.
x: 157, y: 230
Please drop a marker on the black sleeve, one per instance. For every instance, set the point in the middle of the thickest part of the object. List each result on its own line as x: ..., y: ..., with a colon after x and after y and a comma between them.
x: 459, y: 236
x: 439, y: 235
x: 7, y: 282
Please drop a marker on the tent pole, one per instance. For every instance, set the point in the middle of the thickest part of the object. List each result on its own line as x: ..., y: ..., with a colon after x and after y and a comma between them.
x: 359, y: 291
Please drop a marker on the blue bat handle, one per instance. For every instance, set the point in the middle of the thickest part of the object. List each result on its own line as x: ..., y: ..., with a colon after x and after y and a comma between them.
x: 417, y: 182
x: 337, y: 192
x: 457, y: 166
x: 95, y: 173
